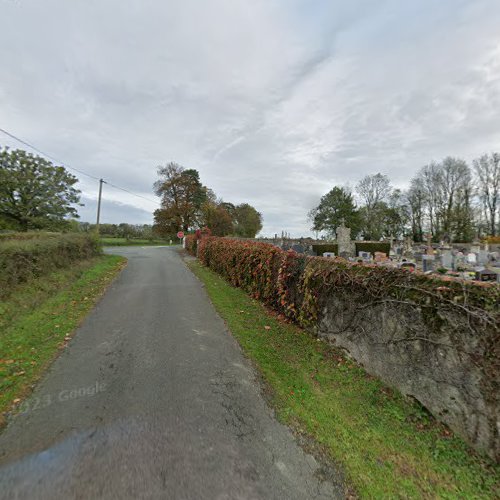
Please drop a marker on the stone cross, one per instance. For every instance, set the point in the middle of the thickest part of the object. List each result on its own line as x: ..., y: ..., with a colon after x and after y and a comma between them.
x: 346, y: 247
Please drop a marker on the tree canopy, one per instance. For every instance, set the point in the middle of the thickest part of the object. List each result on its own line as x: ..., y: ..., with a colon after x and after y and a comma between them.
x: 335, y: 207
x: 182, y: 196
x: 187, y: 204
x: 247, y: 221
x: 35, y: 194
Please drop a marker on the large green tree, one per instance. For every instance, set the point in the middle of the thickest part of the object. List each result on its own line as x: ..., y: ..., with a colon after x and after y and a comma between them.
x: 247, y: 221
x: 182, y: 196
x: 335, y: 207
x: 35, y: 194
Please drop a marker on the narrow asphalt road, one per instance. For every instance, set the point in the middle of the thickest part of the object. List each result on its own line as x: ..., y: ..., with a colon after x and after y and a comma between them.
x: 154, y: 399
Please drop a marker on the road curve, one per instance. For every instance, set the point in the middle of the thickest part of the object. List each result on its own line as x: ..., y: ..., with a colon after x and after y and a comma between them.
x: 154, y: 399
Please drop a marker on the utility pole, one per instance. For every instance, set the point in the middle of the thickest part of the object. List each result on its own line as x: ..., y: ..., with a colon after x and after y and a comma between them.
x: 101, y: 182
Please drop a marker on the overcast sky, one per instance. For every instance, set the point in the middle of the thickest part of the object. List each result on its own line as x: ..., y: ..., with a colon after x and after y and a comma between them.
x: 273, y: 101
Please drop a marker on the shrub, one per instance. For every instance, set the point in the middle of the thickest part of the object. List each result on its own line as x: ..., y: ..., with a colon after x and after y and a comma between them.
x: 492, y: 240
x: 320, y: 249
x: 22, y: 259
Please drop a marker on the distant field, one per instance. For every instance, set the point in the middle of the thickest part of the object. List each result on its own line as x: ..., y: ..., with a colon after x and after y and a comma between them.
x: 122, y: 242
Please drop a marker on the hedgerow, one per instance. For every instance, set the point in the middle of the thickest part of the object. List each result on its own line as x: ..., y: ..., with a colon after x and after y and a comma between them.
x: 321, y: 248
x: 372, y: 247
x: 24, y: 259
x: 28, y: 235
x: 297, y: 285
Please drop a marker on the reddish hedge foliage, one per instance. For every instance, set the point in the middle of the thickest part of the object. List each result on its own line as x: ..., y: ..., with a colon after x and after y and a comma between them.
x: 190, y: 243
x: 297, y: 285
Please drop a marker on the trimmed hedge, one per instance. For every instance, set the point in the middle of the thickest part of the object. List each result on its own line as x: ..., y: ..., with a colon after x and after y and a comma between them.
x: 190, y: 244
x: 276, y: 276
x: 28, y: 235
x: 372, y: 247
x: 320, y: 249
x: 24, y: 259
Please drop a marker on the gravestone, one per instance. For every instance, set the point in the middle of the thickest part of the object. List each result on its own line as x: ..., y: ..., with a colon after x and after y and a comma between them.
x: 472, y: 258
x: 346, y: 247
x: 475, y: 248
x: 447, y: 259
x: 429, y: 250
x: 408, y: 247
x: 298, y: 248
x: 428, y: 263
x: 459, y: 261
x: 482, y: 257
x: 366, y: 256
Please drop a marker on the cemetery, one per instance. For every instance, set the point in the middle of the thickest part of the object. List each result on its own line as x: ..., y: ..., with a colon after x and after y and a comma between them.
x: 471, y: 262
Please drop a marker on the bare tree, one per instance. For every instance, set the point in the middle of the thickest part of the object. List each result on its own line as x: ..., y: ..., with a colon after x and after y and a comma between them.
x: 374, y: 192
x: 456, y: 188
x: 416, y: 202
x: 440, y: 199
x: 431, y: 183
x: 487, y: 170
x: 374, y: 189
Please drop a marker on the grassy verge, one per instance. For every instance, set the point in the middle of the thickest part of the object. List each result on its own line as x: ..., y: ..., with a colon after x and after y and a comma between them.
x: 38, y: 319
x: 123, y: 242
x: 387, y: 446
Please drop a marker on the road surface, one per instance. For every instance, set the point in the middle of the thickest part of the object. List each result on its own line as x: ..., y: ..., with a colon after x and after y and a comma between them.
x: 154, y: 399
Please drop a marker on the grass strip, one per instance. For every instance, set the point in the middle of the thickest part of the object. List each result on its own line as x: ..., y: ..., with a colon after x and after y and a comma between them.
x: 38, y: 319
x: 388, y: 446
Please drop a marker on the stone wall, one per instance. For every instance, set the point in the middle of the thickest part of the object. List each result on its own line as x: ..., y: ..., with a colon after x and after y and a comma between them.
x: 451, y: 370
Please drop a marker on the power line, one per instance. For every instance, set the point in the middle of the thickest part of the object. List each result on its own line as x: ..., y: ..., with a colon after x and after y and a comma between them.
x: 135, y: 194
x: 55, y: 160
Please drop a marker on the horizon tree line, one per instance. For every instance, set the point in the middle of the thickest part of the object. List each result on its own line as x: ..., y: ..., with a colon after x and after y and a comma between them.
x: 448, y: 200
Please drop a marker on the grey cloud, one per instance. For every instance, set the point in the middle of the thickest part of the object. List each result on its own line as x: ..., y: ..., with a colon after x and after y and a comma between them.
x: 273, y: 102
